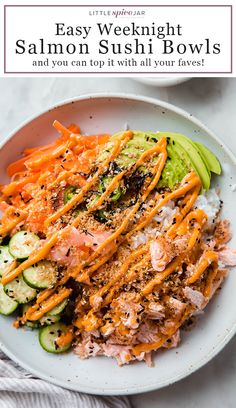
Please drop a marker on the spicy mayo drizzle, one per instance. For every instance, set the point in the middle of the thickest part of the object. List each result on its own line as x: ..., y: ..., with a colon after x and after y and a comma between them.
x: 187, y: 191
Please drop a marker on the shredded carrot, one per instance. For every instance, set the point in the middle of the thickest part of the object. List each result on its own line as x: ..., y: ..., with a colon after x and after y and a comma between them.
x: 16, y: 186
x: 19, y: 165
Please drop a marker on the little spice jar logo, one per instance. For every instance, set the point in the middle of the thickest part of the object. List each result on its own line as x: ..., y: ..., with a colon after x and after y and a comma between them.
x: 117, y: 13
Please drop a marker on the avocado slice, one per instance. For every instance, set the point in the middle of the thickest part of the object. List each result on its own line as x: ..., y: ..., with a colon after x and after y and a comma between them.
x: 196, y: 160
x: 135, y: 147
x: 183, y: 155
x: 176, y: 167
x: 211, y: 160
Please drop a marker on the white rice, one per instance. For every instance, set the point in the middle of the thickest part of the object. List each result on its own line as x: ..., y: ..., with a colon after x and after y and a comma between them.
x: 165, y: 215
x: 210, y: 204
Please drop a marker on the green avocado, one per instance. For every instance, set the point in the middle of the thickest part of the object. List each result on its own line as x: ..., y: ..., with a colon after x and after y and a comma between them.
x: 211, y: 161
x: 176, y: 167
x: 135, y: 147
x: 183, y: 155
x: 197, y: 162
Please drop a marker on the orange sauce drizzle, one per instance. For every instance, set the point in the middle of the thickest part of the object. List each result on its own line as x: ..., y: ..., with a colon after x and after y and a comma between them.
x: 36, y: 257
x: 12, y: 224
x: 77, y: 198
x: 187, y: 204
x: 118, y: 275
x: 205, y: 261
x: 145, y: 347
x: 158, y: 168
x: 61, y: 177
x: 160, y: 147
x: 141, y: 225
x: 48, y: 304
x: 191, y: 185
x: 210, y: 279
x: 65, y: 338
x: 190, y: 181
x: 132, y: 273
x: 112, y: 285
x: 162, y: 275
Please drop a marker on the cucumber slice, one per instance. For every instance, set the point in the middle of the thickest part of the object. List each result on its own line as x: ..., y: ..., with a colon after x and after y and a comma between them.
x: 22, y: 244
x: 48, y: 336
x: 49, y: 320
x: 58, y: 309
x: 41, y: 275
x: 7, y: 305
x: 44, y: 321
x: 5, y: 259
x: 31, y: 324
x: 18, y: 290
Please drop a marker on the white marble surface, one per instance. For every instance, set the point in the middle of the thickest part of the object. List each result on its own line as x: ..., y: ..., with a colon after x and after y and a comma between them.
x: 212, y: 100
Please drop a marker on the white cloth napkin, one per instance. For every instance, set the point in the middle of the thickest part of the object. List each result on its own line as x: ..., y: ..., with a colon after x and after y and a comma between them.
x: 19, y: 389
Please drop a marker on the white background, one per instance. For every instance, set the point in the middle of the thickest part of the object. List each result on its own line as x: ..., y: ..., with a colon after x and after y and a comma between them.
x: 212, y: 100
x: 198, y: 24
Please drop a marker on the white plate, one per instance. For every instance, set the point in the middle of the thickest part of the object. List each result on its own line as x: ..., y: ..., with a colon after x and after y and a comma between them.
x: 161, y: 82
x: 100, y: 375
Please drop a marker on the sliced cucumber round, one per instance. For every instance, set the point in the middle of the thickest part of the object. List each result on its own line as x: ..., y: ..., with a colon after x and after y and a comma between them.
x: 41, y: 275
x: 18, y: 290
x: 48, y: 336
x: 58, y: 309
x: 7, y: 305
x: 31, y: 324
x: 5, y: 259
x: 44, y: 321
x: 22, y: 244
x: 48, y: 320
